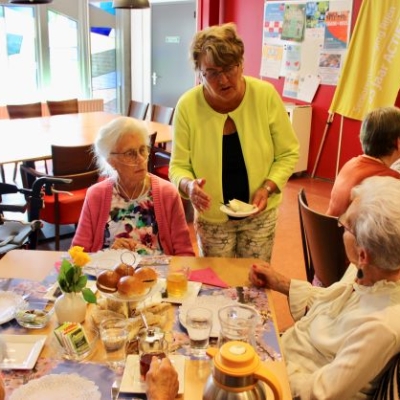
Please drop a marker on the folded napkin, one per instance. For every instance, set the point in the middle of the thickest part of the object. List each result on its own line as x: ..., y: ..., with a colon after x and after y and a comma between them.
x: 207, y: 276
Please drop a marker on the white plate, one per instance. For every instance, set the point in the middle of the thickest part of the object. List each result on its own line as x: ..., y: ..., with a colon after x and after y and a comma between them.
x: 131, y: 382
x: 213, y: 303
x: 8, y: 304
x: 109, y: 259
x: 238, y: 214
x: 60, y: 387
x: 191, y: 294
x: 21, y: 351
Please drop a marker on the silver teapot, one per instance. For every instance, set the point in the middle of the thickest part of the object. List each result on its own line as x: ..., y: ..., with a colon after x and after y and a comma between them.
x: 239, y: 374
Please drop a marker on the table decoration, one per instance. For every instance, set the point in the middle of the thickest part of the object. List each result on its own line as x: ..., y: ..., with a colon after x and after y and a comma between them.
x: 71, y: 305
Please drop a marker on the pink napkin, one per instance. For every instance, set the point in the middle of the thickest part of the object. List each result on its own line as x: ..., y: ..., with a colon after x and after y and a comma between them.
x: 207, y: 276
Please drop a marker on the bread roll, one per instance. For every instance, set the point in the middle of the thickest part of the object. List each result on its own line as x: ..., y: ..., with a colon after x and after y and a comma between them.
x: 130, y: 286
x: 124, y: 269
x: 107, y: 281
x: 147, y: 275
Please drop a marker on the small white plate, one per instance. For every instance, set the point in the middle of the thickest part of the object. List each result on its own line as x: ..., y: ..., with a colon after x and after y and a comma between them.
x: 191, y: 294
x: 61, y: 387
x: 131, y: 382
x: 21, y: 351
x: 109, y: 259
x: 238, y: 214
x: 9, y: 302
x: 213, y: 303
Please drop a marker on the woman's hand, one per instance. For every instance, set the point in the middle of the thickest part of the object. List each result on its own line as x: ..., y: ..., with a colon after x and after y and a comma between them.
x: 260, y: 199
x: 201, y: 201
x: 162, y: 380
x: 263, y: 275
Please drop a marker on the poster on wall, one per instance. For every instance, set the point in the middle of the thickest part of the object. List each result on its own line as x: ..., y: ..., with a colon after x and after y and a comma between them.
x: 313, y: 37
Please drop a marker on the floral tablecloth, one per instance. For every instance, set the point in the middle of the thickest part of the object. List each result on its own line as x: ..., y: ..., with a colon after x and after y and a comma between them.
x: 265, y: 335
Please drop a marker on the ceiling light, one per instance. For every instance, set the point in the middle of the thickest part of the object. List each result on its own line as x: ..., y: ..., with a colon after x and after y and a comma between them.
x: 30, y: 2
x: 131, y: 4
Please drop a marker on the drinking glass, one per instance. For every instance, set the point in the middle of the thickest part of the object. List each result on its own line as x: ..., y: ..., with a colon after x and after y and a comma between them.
x: 198, y: 324
x: 177, y: 280
x: 114, y: 335
x: 237, y: 322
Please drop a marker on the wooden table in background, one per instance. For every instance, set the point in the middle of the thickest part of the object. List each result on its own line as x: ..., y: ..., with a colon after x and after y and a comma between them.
x: 30, y: 139
x: 36, y: 265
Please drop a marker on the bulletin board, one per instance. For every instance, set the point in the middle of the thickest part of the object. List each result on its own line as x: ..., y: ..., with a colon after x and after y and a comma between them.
x: 305, y: 43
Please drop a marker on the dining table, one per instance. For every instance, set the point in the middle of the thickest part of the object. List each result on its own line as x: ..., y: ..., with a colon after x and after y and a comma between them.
x: 30, y: 139
x: 30, y: 273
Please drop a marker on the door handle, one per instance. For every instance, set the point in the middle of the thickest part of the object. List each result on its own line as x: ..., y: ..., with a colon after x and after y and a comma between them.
x: 154, y: 78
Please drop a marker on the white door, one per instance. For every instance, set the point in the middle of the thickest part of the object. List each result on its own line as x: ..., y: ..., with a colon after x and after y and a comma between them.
x: 172, y: 74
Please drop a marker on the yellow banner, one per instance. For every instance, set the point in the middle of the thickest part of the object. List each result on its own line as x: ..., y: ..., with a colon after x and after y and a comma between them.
x: 370, y: 77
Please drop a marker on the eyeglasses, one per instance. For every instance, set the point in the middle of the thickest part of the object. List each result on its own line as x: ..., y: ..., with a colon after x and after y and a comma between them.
x: 344, y: 226
x: 132, y: 155
x: 212, y: 75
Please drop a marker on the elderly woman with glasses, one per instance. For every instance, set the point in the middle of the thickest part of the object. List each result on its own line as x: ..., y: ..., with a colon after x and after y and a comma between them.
x: 131, y: 208
x: 345, y: 335
x: 233, y: 140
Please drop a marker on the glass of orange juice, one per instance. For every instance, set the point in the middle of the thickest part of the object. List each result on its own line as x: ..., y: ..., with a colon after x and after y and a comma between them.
x: 177, y: 280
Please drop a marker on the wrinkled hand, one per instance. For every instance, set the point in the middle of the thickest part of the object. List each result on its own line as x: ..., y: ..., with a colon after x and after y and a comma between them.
x: 263, y: 275
x: 201, y: 201
x: 162, y: 380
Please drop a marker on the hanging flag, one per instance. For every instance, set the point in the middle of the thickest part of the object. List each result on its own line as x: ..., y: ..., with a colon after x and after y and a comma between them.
x: 370, y: 77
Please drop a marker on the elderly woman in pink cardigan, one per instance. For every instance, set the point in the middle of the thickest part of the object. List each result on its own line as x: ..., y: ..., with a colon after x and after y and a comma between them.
x: 131, y: 208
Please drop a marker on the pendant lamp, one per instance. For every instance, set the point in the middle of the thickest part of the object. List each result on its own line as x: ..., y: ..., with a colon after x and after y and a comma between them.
x: 30, y: 2
x: 131, y: 4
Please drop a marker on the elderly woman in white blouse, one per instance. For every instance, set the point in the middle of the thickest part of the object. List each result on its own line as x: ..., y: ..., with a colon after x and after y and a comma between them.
x: 346, y: 334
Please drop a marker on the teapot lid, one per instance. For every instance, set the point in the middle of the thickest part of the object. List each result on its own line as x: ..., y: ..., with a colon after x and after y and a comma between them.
x: 237, y: 359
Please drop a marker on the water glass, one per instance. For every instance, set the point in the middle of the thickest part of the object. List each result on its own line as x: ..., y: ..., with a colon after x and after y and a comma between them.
x: 237, y: 322
x: 114, y: 335
x: 198, y: 324
x: 177, y: 280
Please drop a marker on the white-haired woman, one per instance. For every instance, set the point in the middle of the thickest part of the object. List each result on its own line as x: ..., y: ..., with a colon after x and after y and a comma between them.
x: 346, y: 334
x: 131, y: 208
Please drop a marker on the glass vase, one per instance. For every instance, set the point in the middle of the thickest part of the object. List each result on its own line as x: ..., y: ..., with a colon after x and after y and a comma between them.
x: 70, y: 307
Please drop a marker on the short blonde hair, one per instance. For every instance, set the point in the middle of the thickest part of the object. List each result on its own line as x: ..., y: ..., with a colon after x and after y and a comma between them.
x: 220, y: 43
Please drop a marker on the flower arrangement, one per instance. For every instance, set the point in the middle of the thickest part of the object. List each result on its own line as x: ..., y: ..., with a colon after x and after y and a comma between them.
x: 71, y: 278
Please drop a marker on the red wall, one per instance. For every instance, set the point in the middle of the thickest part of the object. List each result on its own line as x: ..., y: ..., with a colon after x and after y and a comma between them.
x: 248, y: 16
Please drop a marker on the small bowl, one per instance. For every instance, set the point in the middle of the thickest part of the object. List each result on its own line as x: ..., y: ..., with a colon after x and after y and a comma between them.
x: 33, y: 316
x: 92, y: 335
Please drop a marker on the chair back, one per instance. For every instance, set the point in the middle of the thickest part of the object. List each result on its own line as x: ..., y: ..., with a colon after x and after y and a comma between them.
x: 162, y: 114
x: 83, y: 170
x: 60, y: 107
x: 322, y: 241
x: 30, y: 110
x: 137, y: 109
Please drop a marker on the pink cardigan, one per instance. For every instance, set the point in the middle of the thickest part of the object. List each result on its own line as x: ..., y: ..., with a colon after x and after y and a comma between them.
x: 172, y: 227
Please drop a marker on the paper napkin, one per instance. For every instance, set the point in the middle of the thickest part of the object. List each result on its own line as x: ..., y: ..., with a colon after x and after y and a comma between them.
x: 207, y: 276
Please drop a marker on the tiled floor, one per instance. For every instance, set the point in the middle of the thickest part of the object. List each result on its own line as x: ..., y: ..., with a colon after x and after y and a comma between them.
x: 288, y: 254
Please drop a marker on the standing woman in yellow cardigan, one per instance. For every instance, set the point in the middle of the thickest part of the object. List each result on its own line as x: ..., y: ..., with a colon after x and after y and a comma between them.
x: 232, y: 140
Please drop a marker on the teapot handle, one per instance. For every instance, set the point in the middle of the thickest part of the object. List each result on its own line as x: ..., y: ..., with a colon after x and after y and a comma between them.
x: 265, y: 375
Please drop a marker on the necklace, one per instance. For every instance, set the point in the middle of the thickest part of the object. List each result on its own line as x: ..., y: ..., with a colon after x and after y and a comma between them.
x: 123, y: 193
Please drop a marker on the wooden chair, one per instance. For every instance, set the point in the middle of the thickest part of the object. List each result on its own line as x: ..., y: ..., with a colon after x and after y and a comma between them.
x: 137, y: 109
x: 60, y: 107
x: 162, y: 114
x: 323, y: 247
x: 63, y: 206
x: 30, y: 110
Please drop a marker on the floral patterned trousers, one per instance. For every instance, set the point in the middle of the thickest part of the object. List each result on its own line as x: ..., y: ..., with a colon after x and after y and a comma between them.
x: 251, y: 237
